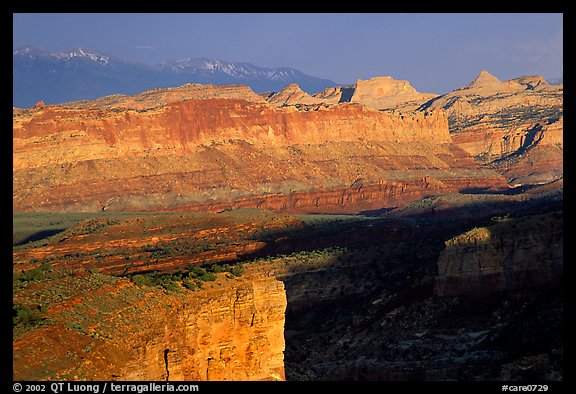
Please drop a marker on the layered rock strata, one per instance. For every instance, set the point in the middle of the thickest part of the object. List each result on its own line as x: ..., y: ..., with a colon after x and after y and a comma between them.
x: 155, y: 151
x: 232, y: 331
x: 515, y: 126
x: 511, y: 255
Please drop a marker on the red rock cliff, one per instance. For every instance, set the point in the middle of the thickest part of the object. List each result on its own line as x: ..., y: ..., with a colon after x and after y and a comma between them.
x: 154, y: 151
x: 233, y: 331
x: 515, y: 126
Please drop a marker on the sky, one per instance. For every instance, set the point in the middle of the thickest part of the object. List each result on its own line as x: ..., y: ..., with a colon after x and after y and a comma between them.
x: 435, y: 52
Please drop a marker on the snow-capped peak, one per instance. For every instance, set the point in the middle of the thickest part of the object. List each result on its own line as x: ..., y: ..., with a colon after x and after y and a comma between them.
x: 27, y: 50
x: 82, y: 53
x: 235, y: 70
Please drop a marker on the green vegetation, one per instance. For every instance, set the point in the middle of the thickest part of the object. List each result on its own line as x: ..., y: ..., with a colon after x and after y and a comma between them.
x: 24, y: 315
x: 187, y: 283
x: 22, y: 278
x: 191, y: 278
x: 33, y: 275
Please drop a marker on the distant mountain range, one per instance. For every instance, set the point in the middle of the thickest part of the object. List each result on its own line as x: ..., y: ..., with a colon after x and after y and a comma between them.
x: 82, y: 74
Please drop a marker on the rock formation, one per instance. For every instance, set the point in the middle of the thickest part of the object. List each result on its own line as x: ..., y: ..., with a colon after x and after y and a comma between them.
x: 121, y: 332
x: 381, y: 93
x: 506, y: 125
x: 510, y: 255
x: 388, y: 93
x: 292, y: 95
x: 538, y: 158
x: 502, y: 124
x: 100, y: 323
x: 204, y: 146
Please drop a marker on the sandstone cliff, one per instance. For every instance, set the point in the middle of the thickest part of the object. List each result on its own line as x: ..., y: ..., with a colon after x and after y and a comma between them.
x: 154, y: 151
x: 122, y: 130
x: 537, y: 155
x: 388, y: 93
x: 512, y: 254
x: 381, y: 93
x: 114, y: 330
x: 500, y: 123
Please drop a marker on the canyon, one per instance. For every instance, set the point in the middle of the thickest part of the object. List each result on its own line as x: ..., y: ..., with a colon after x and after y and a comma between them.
x: 203, y: 146
x: 402, y: 297
x: 367, y: 232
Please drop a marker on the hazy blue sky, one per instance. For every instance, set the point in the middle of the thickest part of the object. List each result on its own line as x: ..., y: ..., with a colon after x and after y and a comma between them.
x: 435, y: 52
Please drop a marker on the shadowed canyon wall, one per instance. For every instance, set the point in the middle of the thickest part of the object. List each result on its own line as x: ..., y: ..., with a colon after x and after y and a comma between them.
x: 513, y: 254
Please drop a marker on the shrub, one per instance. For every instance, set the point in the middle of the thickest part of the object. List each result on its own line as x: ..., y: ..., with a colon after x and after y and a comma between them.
x: 32, y: 275
x: 170, y: 286
x: 237, y: 270
x: 189, y: 284
x: 22, y: 314
x: 201, y: 273
x: 216, y: 268
x: 209, y: 277
x: 141, y: 280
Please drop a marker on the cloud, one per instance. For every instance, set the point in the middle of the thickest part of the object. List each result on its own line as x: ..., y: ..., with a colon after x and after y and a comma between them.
x: 145, y: 47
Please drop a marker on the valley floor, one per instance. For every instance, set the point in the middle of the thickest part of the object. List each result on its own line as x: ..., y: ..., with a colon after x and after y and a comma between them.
x: 362, y: 295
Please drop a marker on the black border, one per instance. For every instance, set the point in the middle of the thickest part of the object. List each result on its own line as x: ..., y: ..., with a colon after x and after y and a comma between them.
x: 392, y: 387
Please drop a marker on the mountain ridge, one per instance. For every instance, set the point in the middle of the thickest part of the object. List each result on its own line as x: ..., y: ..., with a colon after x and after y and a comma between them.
x: 86, y: 74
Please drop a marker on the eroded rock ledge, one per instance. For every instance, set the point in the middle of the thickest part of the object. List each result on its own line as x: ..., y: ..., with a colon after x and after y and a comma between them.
x: 510, y: 255
x: 196, y: 146
x: 233, y: 331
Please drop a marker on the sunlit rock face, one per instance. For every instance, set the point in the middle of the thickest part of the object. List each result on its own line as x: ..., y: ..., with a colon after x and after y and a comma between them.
x: 382, y: 93
x: 232, y: 331
x: 207, y: 148
x: 515, y: 127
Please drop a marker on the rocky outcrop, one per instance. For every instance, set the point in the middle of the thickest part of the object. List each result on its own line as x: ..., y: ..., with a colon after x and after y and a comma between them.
x: 501, y: 122
x: 510, y: 255
x: 336, y: 94
x: 231, y: 334
x: 497, y: 122
x: 233, y: 331
x: 292, y: 95
x: 60, y: 135
x: 388, y: 93
x: 381, y: 93
x: 538, y: 157
x: 156, y: 152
